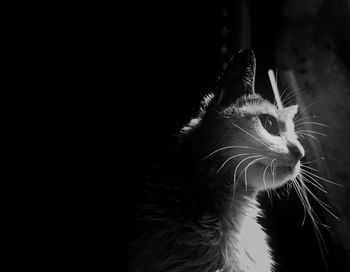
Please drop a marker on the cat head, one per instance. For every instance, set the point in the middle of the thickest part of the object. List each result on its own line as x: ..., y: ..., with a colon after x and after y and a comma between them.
x: 243, y: 136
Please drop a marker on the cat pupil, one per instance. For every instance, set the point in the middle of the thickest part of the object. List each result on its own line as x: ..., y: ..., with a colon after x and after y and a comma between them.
x: 270, y: 124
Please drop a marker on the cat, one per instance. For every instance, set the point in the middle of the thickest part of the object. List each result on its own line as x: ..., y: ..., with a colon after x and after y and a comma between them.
x: 201, y: 214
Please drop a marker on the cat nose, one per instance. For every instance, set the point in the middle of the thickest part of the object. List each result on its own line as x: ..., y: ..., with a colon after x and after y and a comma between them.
x: 297, y: 151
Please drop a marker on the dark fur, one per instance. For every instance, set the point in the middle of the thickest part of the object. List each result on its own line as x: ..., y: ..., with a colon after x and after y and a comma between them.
x: 188, y: 222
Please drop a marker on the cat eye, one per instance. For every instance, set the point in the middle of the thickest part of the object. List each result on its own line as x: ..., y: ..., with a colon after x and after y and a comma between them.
x: 270, y: 124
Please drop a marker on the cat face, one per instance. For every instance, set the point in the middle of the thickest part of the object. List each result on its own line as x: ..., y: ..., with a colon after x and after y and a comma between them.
x: 265, y: 150
x: 255, y: 140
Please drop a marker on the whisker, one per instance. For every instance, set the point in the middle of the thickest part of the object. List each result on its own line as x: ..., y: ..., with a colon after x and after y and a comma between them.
x: 275, y: 170
x: 324, y: 205
x: 229, y: 147
x: 277, y: 194
x: 314, y: 217
x: 311, y: 131
x: 289, y: 187
x: 326, y: 180
x: 282, y: 98
x: 321, y: 203
x: 286, y: 97
x: 319, y: 237
x: 321, y: 158
x: 304, y: 109
x: 297, y: 190
x: 246, y: 168
x: 316, y: 184
x: 290, y: 98
x: 272, y: 173
x: 307, y: 134
x: 251, y: 135
x: 309, y: 176
x: 235, y: 172
x: 269, y: 165
x: 230, y: 158
x: 292, y: 95
x: 308, y: 167
x: 307, y: 118
x: 312, y: 123
x: 268, y: 193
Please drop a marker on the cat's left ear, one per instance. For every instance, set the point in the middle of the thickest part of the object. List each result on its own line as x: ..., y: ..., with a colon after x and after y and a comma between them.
x: 237, y: 79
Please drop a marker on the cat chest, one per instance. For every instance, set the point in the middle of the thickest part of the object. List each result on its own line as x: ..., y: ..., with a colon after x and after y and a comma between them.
x: 249, y: 249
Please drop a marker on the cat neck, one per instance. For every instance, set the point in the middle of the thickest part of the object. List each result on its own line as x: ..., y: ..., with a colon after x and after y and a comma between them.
x: 239, y: 203
x: 215, y: 196
x: 212, y: 194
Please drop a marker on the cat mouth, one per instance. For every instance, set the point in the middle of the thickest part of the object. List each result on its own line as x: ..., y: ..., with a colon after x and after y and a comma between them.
x: 270, y: 173
x: 290, y: 168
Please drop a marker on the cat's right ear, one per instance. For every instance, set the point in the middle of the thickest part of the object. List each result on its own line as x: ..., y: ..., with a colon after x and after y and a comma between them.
x: 237, y: 79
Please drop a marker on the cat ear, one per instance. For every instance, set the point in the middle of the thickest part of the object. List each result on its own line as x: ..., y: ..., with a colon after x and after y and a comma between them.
x: 237, y: 79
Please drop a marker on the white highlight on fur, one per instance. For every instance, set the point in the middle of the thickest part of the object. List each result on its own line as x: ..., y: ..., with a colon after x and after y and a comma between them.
x: 253, y: 253
x: 274, y: 88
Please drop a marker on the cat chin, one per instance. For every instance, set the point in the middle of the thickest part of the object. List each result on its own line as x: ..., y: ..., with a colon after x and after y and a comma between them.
x: 290, y: 172
x: 261, y: 180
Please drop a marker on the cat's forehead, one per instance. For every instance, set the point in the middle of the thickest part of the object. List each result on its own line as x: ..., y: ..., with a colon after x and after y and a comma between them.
x: 254, y: 105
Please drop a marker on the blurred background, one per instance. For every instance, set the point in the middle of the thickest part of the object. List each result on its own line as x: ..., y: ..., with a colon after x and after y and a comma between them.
x: 177, y: 51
